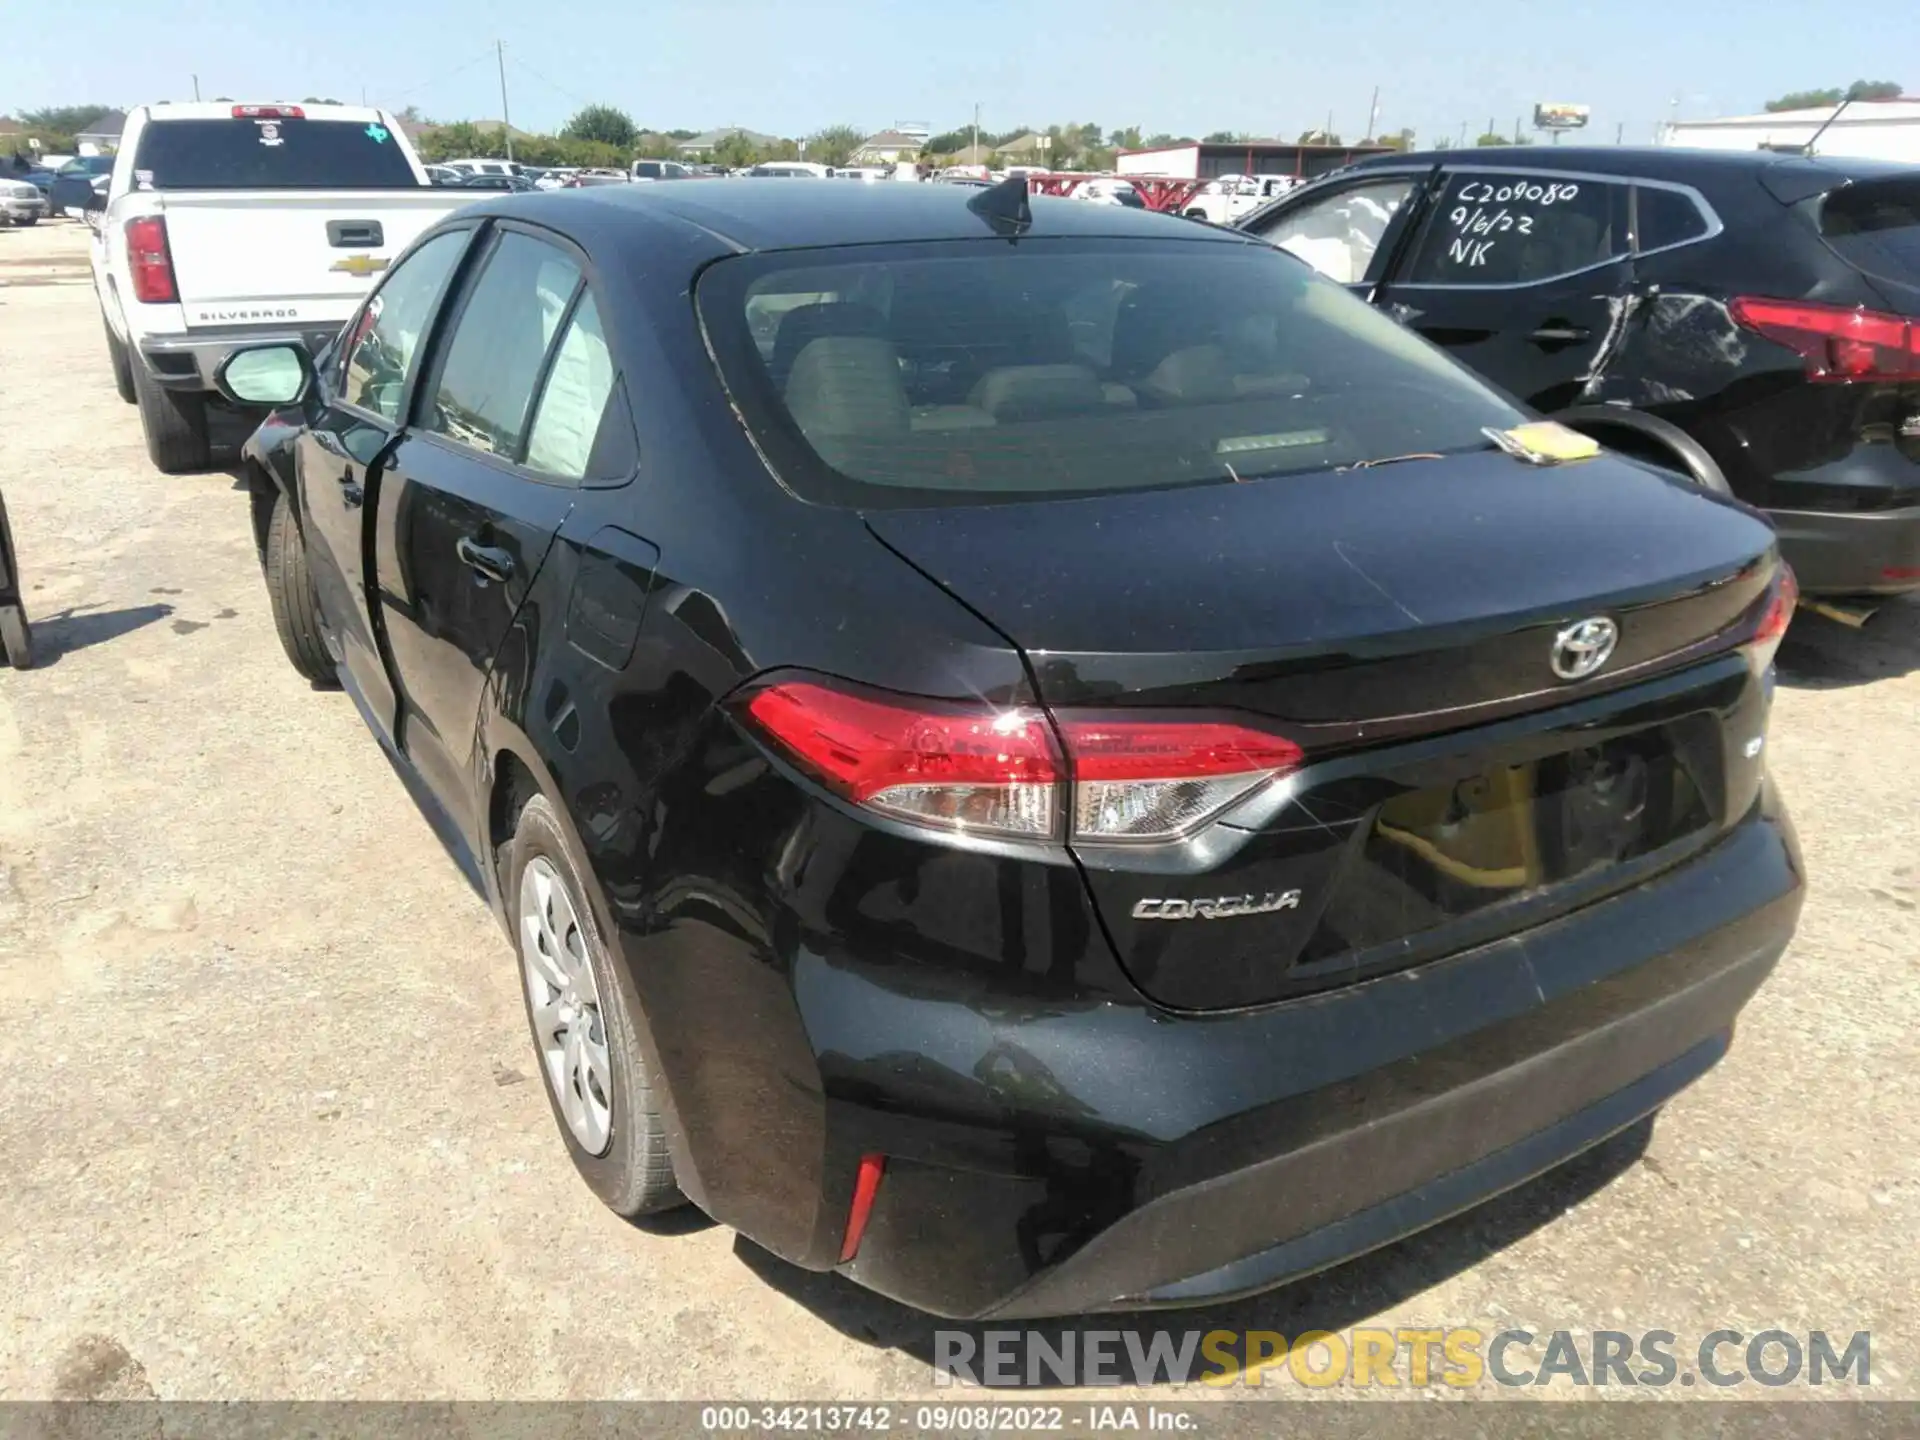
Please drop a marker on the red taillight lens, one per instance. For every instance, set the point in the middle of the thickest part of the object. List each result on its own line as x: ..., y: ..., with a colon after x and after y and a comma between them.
x: 1136, y: 779
x: 149, y: 261
x: 973, y: 769
x: 1837, y: 343
x: 1782, y: 596
x: 268, y: 112
x: 964, y: 768
x: 866, y: 1187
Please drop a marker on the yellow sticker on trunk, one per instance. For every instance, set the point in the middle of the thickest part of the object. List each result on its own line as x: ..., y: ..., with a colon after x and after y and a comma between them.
x: 1545, y: 442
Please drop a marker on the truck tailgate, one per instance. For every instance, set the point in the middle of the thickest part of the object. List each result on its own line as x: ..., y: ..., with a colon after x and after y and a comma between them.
x: 241, y: 256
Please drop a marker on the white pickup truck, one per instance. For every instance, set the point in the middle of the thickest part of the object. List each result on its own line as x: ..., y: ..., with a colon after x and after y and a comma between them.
x: 1225, y: 200
x: 226, y: 224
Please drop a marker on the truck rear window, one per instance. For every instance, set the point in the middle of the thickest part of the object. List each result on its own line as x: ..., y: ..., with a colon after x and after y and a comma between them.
x: 977, y: 372
x: 1875, y: 226
x: 286, y: 154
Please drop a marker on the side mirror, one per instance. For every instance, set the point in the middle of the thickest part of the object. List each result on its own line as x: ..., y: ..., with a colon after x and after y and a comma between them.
x: 278, y: 374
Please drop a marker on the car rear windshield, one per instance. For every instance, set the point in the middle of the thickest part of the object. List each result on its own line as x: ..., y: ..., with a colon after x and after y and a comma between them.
x: 1875, y: 226
x: 283, y: 154
x: 980, y: 372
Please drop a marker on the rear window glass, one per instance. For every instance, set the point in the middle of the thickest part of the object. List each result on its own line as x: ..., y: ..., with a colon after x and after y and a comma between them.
x: 270, y: 155
x: 1875, y: 225
x: 1495, y: 228
x: 1667, y: 217
x: 981, y: 372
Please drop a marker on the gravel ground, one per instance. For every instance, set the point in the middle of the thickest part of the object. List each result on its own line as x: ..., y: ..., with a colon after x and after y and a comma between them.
x: 269, y: 1125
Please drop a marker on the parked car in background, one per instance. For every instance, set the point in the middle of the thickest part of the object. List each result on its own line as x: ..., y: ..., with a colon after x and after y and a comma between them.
x: 862, y: 172
x: 226, y: 223
x: 1106, y: 191
x: 72, y: 184
x: 483, y: 167
x: 1225, y: 200
x: 790, y: 170
x: 1746, y: 318
x: 660, y: 170
x: 555, y: 177
x: 47, y: 168
x: 513, y: 183
x: 1121, y: 812
x: 444, y: 175
x: 587, y: 179
x: 21, y: 202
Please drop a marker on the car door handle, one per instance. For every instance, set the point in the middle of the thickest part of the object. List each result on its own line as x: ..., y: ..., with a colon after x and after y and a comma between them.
x: 489, y: 562
x: 1559, y: 332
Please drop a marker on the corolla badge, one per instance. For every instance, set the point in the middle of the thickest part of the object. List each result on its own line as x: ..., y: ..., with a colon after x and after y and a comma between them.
x: 1583, y: 647
x: 1223, y: 907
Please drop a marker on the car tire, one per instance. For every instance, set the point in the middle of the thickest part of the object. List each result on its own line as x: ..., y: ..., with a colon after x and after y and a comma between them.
x: 175, y: 422
x: 28, y: 220
x: 16, y: 639
x: 296, y: 607
x: 600, y: 1087
x: 121, y: 362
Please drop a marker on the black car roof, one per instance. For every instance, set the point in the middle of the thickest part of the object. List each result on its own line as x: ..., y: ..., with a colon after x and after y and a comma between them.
x: 788, y: 214
x: 1657, y: 162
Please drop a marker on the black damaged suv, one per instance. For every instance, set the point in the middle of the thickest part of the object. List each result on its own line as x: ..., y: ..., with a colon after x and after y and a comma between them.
x: 1749, y: 318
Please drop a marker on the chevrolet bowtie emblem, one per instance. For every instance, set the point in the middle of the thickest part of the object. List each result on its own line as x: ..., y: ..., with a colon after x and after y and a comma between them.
x: 361, y: 265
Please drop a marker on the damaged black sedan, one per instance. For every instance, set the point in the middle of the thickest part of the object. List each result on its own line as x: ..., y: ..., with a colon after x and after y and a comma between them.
x: 1043, y: 759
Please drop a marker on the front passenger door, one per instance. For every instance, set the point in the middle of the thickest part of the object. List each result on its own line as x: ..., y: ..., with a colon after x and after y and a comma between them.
x: 1347, y: 230
x: 1522, y: 276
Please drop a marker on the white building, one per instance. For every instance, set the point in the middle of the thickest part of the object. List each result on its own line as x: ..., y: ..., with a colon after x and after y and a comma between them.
x: 1866, y: 130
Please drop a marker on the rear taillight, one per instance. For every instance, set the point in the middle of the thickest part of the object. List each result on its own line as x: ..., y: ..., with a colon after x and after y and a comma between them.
x: 1000, y: 772
x: 268, y: 112
x: 1775, y: 615
x: 149, y: 261
x: 1838, y: 344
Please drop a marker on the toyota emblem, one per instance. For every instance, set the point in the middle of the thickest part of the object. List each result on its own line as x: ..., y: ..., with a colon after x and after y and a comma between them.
x: 1583, y: 647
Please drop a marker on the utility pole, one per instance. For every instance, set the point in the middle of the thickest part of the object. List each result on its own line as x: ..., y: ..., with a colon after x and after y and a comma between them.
x: 976, y: 132
x: 1373, y: 116
x: 1327, y: 134
x: 506, y: 124
x: 1619, y: 133
x: 1463, y: 134
x: 196, y: 87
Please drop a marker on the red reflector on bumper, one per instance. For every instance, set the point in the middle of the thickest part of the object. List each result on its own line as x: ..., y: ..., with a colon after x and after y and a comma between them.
x: 1901, y: 572
x: 865, y: 1187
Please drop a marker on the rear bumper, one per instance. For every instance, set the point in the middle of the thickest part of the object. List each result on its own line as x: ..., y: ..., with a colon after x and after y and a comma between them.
x: 1134, y: 1157
x: 187, y: 361
x: 1874, y: 552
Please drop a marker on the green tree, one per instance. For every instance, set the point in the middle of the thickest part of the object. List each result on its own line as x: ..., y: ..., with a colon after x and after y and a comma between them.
x: 604, y: 123
x: 1875, y: 90
x: 1805, y: 99
x: 1218, y: 137
x: 1160, y: 139
x: 1490, y: 138
x: 1126, y: 139
x: 834, y: 145
x: 735, y: 151
x: 947, y: 142
x: 683, y: 134
x: 656, y: 145
x: 63, y: 119
x: 316, y: 100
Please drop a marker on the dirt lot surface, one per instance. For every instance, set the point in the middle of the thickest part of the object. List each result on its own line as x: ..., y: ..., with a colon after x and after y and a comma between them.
x: 269, y: 1124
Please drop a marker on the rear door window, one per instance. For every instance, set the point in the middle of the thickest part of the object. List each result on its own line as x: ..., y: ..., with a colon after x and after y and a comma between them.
x: 1503, y: 228
x: 1667, y: 217
x: 1874, y: 225
x: 270, y: 154
x: 493, y: 361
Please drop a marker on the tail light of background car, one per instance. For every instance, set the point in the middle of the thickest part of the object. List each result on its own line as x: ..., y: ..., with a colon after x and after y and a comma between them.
x: 1838, y: 344
x: 150, y: 261
x: 976, y: 769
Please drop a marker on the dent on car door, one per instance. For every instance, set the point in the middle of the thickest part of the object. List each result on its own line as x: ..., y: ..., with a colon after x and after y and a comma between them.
x: 1524, y: 276
x: 356, y: 411
x: 476, y: 489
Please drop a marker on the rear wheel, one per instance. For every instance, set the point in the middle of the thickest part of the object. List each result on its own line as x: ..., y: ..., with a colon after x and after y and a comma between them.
x: 585, y: 1037
x: 296, y: 608
x: 122, y: 364
x: 28, y: 220
x: 175, y: 422
x: 16, y: 640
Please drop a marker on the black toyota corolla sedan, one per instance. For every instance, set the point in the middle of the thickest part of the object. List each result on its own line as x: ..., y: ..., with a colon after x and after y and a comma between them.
x: 1045, y: 759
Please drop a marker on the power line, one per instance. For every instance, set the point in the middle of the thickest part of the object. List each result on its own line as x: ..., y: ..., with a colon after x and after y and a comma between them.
x: 429, y: 84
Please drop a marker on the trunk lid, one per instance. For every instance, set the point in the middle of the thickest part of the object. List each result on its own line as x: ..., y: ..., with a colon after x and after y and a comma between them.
x: 244, y: 257
x: 1399, y: 624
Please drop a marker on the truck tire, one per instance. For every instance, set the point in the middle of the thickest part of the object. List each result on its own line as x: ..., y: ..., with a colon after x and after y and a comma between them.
x: 602, y: 1089
x: 121, y: 362
x: 296, y: 608
x: 175, y: 422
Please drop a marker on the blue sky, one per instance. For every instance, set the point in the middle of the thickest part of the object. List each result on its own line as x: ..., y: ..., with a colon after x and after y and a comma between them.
x: 773, y: 65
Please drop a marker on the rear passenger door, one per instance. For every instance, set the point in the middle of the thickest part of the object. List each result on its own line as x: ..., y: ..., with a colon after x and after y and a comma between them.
x: 504, y: 428
x: 1522, y: 275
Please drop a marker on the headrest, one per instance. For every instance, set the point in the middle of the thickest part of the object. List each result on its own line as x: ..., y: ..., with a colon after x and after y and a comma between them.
x: 847, y: 387
x: 1032, y: 392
